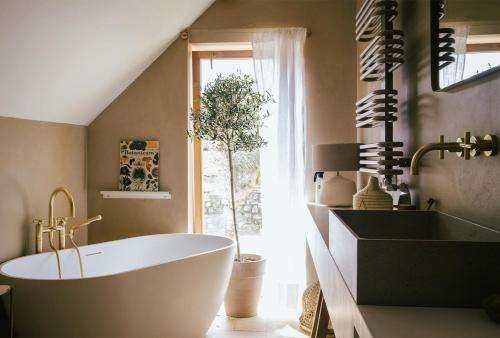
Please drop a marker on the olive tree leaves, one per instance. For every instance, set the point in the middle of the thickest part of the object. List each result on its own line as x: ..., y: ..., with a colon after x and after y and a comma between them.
x: 231, y: 114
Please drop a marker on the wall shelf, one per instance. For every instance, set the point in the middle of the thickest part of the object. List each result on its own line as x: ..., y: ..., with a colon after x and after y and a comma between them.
x: 156, y: 195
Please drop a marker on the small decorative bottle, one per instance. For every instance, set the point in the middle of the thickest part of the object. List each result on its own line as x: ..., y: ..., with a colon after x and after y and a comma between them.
x: 372, y: 197
x: 318, y: 182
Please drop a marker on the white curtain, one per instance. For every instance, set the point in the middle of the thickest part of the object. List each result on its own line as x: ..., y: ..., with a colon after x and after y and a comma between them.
x: 454, y: 72
x: 279, y: 67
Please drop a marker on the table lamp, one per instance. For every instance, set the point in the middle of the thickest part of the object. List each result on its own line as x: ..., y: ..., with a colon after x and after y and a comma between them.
x: 338, y: 190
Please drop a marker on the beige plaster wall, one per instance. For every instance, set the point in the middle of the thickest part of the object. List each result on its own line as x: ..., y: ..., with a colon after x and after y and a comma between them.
x: 469, y: 189
x: 152, y: 107
x: 156, y: 105
x: 36, y: 158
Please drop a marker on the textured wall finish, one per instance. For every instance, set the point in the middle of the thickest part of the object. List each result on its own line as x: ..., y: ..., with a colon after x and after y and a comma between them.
x: 329, y: 58
x: 156, y: 106
x: 469, y: 189
x: 36, y: 158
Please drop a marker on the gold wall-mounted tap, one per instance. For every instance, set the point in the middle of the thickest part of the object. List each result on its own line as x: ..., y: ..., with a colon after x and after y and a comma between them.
x: 464, y: 147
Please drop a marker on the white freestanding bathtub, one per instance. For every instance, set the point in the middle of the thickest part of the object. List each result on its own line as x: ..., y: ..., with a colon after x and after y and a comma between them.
x: 168, y: 286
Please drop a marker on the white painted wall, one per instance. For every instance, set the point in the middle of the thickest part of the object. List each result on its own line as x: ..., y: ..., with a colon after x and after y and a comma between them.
x: 66, y: 60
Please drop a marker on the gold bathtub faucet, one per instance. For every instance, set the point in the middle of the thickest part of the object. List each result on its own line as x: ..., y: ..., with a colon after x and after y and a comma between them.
x: 55, y: 224
x: 58, y: 225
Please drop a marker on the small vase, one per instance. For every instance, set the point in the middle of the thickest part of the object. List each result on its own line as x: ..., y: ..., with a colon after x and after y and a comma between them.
x: 372, y: 197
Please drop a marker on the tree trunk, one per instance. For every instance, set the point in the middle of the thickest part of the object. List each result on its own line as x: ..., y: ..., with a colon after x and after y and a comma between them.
x: 231, y: 178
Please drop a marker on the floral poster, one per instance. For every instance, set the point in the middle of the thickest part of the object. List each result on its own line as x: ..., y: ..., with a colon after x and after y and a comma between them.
x: 139, y: 165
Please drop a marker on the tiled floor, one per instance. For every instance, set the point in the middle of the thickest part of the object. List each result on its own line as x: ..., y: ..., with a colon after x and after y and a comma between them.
x: 262, y: 326
x: 278, y: 310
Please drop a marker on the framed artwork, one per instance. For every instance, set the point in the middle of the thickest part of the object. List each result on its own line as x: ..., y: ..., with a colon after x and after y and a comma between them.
x: 139, y: 165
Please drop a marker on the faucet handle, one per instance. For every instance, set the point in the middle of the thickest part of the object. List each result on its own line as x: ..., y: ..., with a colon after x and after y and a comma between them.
x: 482, y: 145
x: 467, y: 145
x: 441, y: 151
x: 61, y: 220
x: 39, y: 221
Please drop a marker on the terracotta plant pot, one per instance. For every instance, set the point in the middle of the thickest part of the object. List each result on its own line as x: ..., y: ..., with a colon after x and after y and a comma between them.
x: 243, y: 293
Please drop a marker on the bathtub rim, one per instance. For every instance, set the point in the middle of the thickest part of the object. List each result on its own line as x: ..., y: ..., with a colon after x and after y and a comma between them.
x: 232, y: 244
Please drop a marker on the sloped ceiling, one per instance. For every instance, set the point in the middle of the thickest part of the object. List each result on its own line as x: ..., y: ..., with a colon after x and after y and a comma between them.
x: 66, y: 60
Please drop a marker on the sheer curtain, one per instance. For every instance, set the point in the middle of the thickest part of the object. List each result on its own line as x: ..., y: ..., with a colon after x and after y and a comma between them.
x: 454, y: 72
x: 279, y: 70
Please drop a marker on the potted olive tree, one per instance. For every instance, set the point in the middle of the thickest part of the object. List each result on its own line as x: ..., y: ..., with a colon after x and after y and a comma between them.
x: 231, y: 117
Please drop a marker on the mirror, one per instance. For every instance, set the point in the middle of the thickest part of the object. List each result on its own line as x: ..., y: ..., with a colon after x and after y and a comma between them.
x: 465, y: 41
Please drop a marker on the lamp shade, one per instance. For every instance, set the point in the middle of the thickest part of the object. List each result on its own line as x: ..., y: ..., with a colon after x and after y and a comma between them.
x: 335, y: 157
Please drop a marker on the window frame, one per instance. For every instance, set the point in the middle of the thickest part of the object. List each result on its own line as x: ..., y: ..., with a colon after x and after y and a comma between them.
x: 197, y: 56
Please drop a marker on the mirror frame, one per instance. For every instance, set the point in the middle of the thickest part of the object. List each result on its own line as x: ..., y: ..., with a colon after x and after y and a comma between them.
x: 434, y: 29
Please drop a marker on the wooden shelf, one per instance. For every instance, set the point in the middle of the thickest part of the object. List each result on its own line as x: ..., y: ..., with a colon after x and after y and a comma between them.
x: 159, y: 195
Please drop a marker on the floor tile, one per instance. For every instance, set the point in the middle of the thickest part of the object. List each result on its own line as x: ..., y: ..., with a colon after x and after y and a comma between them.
x: 287, y: 331
x: 235, y: 334
x: 256, y: 327
x: 223, y: 323
x: 272, y: 322
x: 253, y: 324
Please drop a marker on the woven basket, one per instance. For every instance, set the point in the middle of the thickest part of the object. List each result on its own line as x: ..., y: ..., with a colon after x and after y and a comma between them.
x: 309, y: 304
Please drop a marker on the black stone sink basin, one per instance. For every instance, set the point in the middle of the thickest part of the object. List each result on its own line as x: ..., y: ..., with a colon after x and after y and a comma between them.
x: 415, y: 258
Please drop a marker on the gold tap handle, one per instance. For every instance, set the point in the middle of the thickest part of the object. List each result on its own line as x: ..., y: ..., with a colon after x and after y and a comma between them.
x: 61, y: 229
x: 61, y: 221
x: 467, y: 145
x: 441, y: 152
x: 39, y: 225
x: 491, y: 141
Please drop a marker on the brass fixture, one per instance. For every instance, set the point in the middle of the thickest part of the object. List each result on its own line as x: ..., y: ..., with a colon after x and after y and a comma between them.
x: 464, y: 147
x: 476, y: 145
x: 54, y: 223
x: 185, y: 34
x: 441, y: 146
x: 72, y: 239
x: 58, y: 224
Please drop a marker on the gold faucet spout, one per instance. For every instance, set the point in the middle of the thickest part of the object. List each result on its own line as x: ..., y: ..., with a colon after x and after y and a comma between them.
x: 71, y: 201
x: 417, y: 157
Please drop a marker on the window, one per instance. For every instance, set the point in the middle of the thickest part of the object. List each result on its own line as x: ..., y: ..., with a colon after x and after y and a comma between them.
x: 212, y: 196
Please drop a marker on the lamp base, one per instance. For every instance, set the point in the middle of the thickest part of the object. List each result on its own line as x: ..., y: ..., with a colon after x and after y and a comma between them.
x: 337, y: 192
